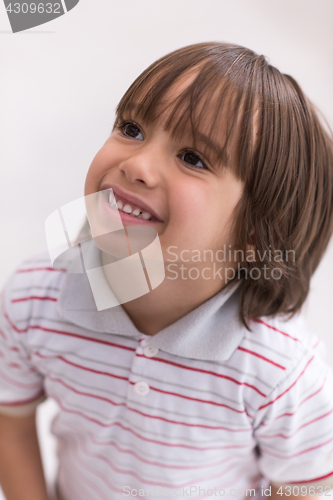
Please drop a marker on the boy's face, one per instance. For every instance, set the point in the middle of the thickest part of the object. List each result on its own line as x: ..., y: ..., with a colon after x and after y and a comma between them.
x: 175, y: 184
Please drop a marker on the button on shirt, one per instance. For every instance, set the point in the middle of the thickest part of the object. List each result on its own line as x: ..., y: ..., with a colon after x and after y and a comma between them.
x: 182, y: 412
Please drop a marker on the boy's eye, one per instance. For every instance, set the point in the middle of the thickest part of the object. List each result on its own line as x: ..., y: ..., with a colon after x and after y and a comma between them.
x: 192, y: 159
x: 131, y: 130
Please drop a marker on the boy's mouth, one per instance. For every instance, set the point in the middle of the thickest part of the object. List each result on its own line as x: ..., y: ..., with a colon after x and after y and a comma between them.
x: 129, y: 208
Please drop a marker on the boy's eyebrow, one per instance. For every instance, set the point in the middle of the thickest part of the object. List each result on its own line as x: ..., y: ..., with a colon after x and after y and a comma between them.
x: 200, y: 137
x: 208, y: 142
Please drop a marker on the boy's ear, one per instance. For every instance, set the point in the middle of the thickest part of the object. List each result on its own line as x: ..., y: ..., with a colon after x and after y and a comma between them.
x: 250, y: 255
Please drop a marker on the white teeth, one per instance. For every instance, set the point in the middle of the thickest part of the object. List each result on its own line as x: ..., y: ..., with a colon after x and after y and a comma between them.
x: 146, y: 215
x: 127, y: 208
x: 112, y: 201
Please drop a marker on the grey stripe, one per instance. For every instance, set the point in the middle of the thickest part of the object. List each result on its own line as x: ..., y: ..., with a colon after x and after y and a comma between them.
x: 34, y: 287
x: 169, y: 439
x: 81, y: 470
x: 224, y: 365
x: 27, y: 320
x: 174, y: 461
x: 103, y: 363
x: 296, y: 368
x: 251, y: 341
x: 66, y: 323
x: 303, y: 419
x: 300, y: 445
x: 232, y: 368
x: 219, y: 422
x: 287, y: 408
x: 168, y: 384
x: 183, y: 475
x: 37, y: 261
x: 123, y: 399
x: 202, y: 391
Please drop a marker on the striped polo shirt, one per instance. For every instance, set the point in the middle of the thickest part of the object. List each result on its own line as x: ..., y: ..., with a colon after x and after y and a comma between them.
x: 203, y: 408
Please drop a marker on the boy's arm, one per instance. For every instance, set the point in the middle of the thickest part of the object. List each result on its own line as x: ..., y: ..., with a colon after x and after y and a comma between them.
x: 21, y: 471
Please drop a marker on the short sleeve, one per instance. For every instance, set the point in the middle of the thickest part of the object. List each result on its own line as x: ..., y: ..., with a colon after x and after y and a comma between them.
x: 295, y: 429
x: 21, y: 386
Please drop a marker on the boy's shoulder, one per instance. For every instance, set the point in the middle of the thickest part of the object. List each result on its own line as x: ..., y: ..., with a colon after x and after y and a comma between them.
x: 278, y: 351
x: 34, y: 285
x: 282, y: 334
x: 282, y: 340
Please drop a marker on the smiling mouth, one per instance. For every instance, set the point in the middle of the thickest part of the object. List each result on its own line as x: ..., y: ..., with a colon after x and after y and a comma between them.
x: 120, y: 203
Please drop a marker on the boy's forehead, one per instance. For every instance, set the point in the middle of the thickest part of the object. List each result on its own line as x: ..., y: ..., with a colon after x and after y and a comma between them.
x: 194, y: 111
x: 174, y: 105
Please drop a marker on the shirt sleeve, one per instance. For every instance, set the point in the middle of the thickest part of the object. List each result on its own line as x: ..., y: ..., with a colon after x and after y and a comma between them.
x: 294, y: 430
x: 21, y: 386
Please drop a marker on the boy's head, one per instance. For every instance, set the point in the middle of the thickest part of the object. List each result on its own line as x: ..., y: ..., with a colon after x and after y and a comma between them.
x: 256, y: 159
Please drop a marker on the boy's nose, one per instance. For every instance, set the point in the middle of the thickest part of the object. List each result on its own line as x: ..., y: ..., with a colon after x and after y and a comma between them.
x: 143, y: 167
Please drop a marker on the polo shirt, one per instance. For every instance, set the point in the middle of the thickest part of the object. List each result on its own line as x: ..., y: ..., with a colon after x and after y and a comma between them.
x: 203, y: 408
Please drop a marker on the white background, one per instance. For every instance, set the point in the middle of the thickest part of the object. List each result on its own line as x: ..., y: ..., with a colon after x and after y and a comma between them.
x: 60, y: 84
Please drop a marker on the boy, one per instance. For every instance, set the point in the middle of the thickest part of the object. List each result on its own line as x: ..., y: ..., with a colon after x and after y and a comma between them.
x: 203, y: 386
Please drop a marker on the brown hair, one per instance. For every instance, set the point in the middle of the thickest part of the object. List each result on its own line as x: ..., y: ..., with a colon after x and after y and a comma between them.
x: 274, y: 142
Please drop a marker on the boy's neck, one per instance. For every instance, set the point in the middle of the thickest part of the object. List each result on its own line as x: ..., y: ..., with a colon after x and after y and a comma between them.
x: 169, y: 302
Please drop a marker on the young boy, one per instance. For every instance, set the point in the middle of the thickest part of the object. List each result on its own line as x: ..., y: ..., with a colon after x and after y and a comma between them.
x: 209, y: 384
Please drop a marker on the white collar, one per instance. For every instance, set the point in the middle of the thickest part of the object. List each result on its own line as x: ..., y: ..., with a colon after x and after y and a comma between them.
x: 212, y: 331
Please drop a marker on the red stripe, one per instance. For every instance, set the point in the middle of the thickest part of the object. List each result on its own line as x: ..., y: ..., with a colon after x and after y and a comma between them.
x: 248, y: 414
x: 193, y: 399
x: 2, y: 334
x: 117, y: 469
x: 128, y: 429
x: 19, y: 384
x: 149, y: 462
x: 310, y: 480
x: 83, y: 337
x: 257, y: 320
x: 235, y: 481
x: 83, y: 477
x: 33, y: 269
x: 33, y: 297
x: 271, y: 402
x: 131, y: 382
x: 202, y: 371
x: 11, y: 324
x: 22, y: 401
x: 153, y: 388
x: 145, y: 480
x: 188, y: 424
x: 314, y: 346
x: 290, y: 414
x: 101, y: 398
x: 261, y: 357
x: 299, y: 428
x: 83, y: 452
x: 61, y: 332
x: 267, y: 450
x: 82, y: 367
